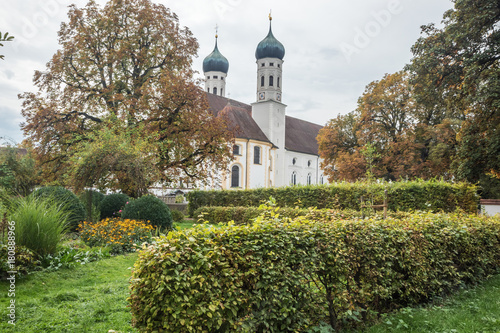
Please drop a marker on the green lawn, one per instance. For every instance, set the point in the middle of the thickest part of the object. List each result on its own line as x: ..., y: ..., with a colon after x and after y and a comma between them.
x: 469, y: 311
x: 89, y: 298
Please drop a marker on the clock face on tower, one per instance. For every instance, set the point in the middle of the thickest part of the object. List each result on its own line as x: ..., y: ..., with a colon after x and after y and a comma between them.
x: 278, y: 97
x: 262, y: 95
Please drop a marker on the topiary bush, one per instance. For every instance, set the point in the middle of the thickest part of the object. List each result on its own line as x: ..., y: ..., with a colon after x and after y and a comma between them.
x: 149, y: 208
x: 112, y: 204
x: 70, y: 202
x: 97, y: 197
x: 177, y: 216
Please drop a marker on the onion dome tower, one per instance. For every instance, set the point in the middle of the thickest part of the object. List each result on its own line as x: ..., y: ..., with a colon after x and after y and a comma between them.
x: 215, y: 68
x: 269, y: 54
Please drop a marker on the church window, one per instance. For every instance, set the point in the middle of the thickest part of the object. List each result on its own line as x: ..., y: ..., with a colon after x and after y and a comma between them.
x: 293, y: 181
x: 309, y: 163
x: 215, y: 90
x: 271, y: 80
x: 216, y: 77
x: 278, y: 82
x: 279, y: 65
x: 222, y: 78
x: 261, y: 81
x: 208, y: 77
x: 271, y: 64
x: 208, y: 89
x: 321, y: 180
x: 236, y: 150
x: 309, y: 179
x: 235, y: 176
x: 256, y: 155
x: 262, y: 65
x: 221, y: 90
x: 294, y: 161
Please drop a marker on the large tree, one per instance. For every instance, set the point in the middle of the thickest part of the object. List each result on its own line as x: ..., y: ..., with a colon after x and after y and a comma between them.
x: 457, y: 68
x: 126, y: 66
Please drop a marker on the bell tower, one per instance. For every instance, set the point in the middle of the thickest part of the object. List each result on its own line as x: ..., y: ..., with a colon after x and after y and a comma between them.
x: 215, y: 68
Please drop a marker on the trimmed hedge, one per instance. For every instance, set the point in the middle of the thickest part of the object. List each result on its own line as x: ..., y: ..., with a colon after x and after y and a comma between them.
x: 149, y: 208
x: 112, y: 204
x: 281, y: 275
x: 68, y: 199
x: 245, y: 215
x: 431, y: 195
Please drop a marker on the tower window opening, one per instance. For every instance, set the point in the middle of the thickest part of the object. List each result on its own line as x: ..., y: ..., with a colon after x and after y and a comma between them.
x: 208, y: 89
x: 278, y: 82
x: 208, y: 77
x: 216, y: 77
x: 222, y: 78
x: 271, y: 64
x: 271, y: 80
x: 221, y: 90
x: 215, y: 91
x: 262, y: 65
x: 279, y: 65
x: 261, y: 81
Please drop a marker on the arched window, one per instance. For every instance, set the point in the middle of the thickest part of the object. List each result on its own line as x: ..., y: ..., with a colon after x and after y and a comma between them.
x: 256, y: 155
x: 278, y: 81
x: 221, y: 90
x: 309, y: 179
x: 321, y: 180
x: 261, y: 81
x: 271, y: 81
x: 293, y: 181
x: 235, y: 176
x: 215, y: 90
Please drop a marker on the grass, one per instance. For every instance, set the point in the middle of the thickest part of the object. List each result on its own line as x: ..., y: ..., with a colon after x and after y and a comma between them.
x: 186, y: 224
x: 89, y: 298
x: 470, y: 310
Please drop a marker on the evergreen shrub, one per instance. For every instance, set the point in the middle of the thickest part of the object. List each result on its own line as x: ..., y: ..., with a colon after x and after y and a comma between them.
x: 284, y: 275
x: 113, y: 204
x: 66, y: 198
x: 97, y: 198
x: 149, y: 208
x: 177, y: 216
x: 433, y: 196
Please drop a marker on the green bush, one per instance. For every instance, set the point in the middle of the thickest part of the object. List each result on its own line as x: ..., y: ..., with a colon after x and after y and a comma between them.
x: 149, y: 208
x: 97, y: 197
x: 40, y: 223
x: 66, y: 198
x: 113, y: 204
x: 177, y: 216
x: 245, y: 215
x: 431, y: 196
x: 24, y: 260
x: 283, y: 275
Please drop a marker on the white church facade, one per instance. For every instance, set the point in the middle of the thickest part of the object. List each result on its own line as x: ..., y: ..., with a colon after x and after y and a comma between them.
x: 271, y: 149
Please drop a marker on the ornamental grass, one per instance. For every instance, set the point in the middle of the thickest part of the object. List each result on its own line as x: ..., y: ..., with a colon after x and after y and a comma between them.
x: 120, y: 235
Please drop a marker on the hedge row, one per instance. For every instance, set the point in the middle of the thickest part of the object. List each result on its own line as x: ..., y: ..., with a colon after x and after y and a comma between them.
x: 286, y: 276
x: 245, y: 215
x: 431, y: 195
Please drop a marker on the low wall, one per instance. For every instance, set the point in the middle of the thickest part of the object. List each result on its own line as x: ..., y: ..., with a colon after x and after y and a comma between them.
x: 490, y: 206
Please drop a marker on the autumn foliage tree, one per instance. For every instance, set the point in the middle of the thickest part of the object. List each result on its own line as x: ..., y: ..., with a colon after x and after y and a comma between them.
x: 388, y: 123
x: 124, y: 68
x: 458, y: 67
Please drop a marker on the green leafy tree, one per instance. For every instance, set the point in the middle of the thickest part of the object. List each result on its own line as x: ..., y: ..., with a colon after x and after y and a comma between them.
x: 457, y: 67
x: 18, y: 172
x: 5, y: 38
x: 126, y: 67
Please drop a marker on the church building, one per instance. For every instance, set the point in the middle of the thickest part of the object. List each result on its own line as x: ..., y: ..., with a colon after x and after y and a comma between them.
x: 271, y: 149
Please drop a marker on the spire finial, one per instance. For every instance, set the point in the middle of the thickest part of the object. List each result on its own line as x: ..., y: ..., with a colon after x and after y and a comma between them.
x: 270, y: 16
x: 216, y: 31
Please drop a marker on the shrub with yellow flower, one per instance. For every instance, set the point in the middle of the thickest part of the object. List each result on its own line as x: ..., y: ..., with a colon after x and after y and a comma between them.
x: 118, y: 234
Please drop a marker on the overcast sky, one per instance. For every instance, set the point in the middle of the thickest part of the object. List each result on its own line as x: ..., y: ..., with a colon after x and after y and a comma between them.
x: 333, y: 48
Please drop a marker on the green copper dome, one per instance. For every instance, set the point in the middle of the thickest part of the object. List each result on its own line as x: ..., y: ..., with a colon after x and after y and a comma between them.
x: 215, y: 61
x: 270, y: 47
